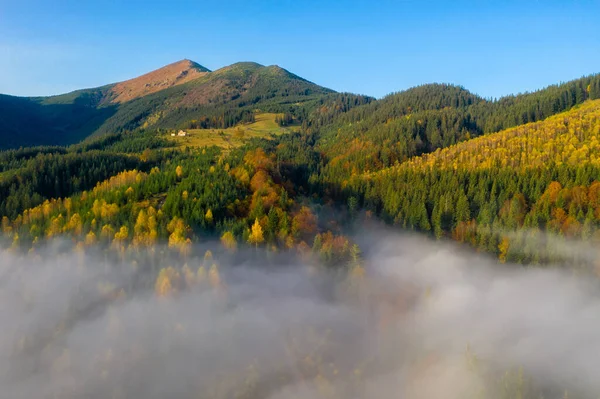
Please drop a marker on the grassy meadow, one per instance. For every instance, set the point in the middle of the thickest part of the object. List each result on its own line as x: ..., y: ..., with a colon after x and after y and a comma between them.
x: 264, y: 126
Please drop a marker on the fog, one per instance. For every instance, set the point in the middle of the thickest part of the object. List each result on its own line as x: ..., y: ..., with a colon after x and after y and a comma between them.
x: 426, y: 320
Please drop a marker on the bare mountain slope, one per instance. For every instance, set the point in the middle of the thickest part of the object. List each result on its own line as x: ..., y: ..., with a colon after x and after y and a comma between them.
x: 171, y: 75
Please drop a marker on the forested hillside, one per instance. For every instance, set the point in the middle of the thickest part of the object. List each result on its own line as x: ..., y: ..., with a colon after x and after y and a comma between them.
x: 502, y: 192
x: 429, y: 117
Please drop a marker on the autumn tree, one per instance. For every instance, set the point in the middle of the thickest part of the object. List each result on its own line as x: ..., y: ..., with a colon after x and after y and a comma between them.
x: 256, y: 234
x: 167, y: 281
x: 178, y: 237
x: 228, y: 241
x: 305, y: 222
x: 208, y: 217
x: 503, y: 248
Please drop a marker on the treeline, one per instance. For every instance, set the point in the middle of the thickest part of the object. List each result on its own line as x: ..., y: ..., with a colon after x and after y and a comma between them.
x: 13, y: 159
x: 284, y: 119
x: 124, y: 142
x: 227, y: 119
x: 136, y: 141
x: 328, y: 109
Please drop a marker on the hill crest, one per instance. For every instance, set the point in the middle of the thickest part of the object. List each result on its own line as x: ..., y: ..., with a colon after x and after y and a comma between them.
x: 168, y: 76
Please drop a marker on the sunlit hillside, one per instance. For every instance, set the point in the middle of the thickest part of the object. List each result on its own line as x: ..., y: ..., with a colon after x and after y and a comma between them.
x: 428, y: 118
x: 501, y: 192
x: 571, y: 137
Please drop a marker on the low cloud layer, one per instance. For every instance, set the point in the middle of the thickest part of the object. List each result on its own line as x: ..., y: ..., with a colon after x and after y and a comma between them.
x: 427, y: 320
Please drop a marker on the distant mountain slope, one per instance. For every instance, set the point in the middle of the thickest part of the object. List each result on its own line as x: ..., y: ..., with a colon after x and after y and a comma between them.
x: 170, y: 97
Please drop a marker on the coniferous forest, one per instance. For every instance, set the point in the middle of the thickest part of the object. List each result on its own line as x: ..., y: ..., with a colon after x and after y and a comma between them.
x: 125, y: 204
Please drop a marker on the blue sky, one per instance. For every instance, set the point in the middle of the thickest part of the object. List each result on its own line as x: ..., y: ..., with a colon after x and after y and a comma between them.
x: 369, y: 47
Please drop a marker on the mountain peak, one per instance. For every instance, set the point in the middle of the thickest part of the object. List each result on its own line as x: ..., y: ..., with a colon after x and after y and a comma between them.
x: 187, y: 63
x: 170, y: 75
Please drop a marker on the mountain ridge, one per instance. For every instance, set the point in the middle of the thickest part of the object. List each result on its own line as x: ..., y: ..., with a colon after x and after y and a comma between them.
x: 184, y: 94
x: 168, y: 97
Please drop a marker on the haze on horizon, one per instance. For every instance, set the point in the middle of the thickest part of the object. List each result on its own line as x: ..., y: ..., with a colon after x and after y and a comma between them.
x: 492, y: 50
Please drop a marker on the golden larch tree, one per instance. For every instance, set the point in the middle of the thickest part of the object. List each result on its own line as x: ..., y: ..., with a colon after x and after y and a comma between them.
x: 256, y: 234
x: 228, y: 241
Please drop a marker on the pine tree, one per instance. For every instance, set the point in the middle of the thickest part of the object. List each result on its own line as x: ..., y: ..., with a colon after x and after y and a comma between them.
x: 272, y: 223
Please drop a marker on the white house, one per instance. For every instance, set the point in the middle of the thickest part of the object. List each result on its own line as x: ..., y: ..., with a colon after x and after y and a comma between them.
x: 182, y: 133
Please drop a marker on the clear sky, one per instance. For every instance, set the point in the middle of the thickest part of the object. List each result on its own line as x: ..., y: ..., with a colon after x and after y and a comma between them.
x: 371, y: 47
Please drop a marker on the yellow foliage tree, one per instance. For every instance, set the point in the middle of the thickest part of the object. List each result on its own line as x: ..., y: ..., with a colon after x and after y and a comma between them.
x: 163, y: 286
x: 90, y: 238
x: 68, y: 204
x: 6, y: 227
x: 208, y: 217
x: 75, y: 225
x: 145, y: 232
x: 122, y: 234
x: 55, y: 227
x: 140, y: 223
x: 256, y: 234
x: 228, y: 241
x: 177, y: 239
x: 107, y: 232
x: 167, y: 282
x: 121, y: 237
